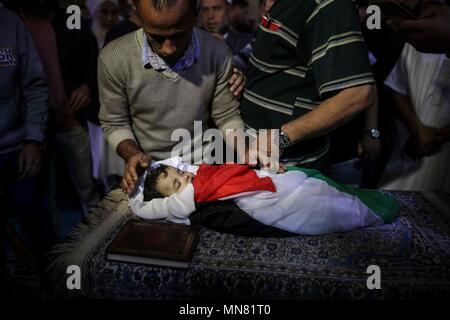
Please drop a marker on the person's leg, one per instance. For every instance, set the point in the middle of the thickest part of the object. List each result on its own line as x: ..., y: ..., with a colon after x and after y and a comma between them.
x: 22, y: 201
x: 50, y: 170
x: 75, y: 148
x: 2, y: 265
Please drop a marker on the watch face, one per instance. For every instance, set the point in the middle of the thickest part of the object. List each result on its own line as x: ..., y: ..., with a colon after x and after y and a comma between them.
x: 284, y: 141
x: 374, y: 133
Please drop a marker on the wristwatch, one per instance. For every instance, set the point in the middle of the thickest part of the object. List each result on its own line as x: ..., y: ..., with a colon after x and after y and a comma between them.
x: 373, y: 133
x: 283, y: 140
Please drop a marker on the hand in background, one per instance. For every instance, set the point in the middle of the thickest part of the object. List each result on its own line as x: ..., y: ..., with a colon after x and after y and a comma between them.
x: 79, y: 98
x: 237, y: 83
x: 30, y: 161
x: 443, y: 135
x: 369, y: 149
x: 430, y: 33
x: 424, y: 142
x: 134, y: 168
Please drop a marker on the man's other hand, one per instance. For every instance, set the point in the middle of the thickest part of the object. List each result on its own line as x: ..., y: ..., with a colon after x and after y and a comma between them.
x: 264, y: 150
x: 237, y: 83
x: 423, y: 142
x: 30, y: 161
x: 134, y: 168
x: 79, y: 98
x: 369, y: 149
x: 430, y: 33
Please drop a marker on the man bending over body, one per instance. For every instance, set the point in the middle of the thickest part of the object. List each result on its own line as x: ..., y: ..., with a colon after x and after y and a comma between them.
x: 159, y: 78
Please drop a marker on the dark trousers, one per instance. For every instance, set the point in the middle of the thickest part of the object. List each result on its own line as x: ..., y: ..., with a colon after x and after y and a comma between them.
x: 23, y: 200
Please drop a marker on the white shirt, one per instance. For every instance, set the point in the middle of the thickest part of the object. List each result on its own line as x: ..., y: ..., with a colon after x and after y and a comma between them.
x: 425, y: 80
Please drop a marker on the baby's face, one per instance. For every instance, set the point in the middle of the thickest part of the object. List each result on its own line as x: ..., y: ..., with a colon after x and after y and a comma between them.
x: 173, y: 181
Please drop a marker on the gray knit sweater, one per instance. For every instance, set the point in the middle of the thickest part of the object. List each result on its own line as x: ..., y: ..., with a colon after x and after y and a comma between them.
x: 146, y: 105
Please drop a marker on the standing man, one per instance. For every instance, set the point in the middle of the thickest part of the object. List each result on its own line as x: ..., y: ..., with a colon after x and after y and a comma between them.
x: 23, y: 121
x: 128, y: 25
x: 238, y: 16
x: 309, y: 73
x: 163, y: 77
x: 69, y: 59
x: 214, y: 17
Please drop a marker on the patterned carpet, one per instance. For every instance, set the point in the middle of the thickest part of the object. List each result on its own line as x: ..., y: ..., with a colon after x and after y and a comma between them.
x: 413, y: 254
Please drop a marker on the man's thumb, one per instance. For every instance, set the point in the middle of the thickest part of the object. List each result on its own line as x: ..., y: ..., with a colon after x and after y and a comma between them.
x: 144, y: 161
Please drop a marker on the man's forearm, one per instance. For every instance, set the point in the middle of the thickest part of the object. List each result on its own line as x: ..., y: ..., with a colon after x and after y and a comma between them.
x: 332, y: 113
x: 128, y: 148
x: 371, y: 113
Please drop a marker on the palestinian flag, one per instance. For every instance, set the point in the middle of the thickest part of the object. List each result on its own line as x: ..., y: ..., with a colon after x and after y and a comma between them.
x: 301, y: 200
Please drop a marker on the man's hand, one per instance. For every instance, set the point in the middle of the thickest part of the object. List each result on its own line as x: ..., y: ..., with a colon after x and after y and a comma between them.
x: 424, y: 141
x: 443, y: 135
x: 79, y: 98
x: 30, y: 161
x: 430, y: 33
x: 369, y: 149
x: 237, y: 82
x: 264, y: 150
x: 134, y: 168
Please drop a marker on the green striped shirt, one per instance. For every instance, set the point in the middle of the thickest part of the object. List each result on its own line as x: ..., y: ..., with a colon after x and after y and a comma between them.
x: 305, y: 52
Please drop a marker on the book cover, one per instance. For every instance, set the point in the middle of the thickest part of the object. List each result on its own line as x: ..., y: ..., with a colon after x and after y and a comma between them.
x: 155, y: 243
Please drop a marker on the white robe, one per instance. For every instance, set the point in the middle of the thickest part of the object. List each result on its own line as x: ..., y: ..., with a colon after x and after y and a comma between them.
x: 425, y: 80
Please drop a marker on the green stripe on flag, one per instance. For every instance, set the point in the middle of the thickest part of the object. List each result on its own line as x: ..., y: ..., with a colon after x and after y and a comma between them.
x: 380, y: 204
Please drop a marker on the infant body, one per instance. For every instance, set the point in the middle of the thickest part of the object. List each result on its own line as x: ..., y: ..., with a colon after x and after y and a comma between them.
x: 300, y: 203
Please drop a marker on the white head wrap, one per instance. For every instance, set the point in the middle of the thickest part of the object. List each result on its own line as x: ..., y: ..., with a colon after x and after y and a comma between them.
x: 93, y: 5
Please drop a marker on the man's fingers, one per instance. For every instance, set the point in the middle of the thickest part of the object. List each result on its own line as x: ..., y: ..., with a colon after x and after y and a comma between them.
x: 141, y: 161
x: 35, y: 168
x: 21, y: 161
x: 131, y: 169
x: 27, y: 168
x: 405, y: 27
x: 124, y: 185
x: 72, y: 97
x: 132, y: 176
x: 129, y: 183
x: 281, y: 168
x: 76, y: 103
x: 235, y: 86
x: 233, y: 79
x: 145, y: 161
x: 77, y: 97
x: 239, y: 87
x: 238, y: 91
x: 83, y: 102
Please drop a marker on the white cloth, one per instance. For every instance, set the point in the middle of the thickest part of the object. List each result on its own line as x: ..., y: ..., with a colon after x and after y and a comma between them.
x: 425, y: 80
x: 300, y: 204
x: 98, y: 31
x: 93, y: 5
x: 176, y: 208
x: 105, y: 161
